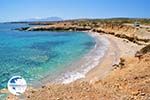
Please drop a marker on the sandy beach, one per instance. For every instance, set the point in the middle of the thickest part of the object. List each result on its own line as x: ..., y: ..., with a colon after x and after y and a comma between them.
x: 118, y: 48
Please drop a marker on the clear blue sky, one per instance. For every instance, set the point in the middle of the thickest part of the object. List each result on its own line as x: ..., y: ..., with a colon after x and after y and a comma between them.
x: 11, y: 10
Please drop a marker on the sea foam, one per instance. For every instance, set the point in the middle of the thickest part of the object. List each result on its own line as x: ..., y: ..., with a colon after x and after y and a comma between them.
x: 88, y: 62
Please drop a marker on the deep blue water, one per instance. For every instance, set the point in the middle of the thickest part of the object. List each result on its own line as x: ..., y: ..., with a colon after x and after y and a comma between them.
x: 34, y: 55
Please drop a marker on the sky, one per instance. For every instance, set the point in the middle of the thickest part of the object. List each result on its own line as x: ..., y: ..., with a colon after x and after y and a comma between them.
x: 17, y: 10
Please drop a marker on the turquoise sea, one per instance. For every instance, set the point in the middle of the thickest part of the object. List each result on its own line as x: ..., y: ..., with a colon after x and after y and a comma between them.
x: 36, y: 55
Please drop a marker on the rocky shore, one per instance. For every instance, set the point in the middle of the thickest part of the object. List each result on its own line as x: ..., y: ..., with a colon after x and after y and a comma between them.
x: 54, y: 28
x: 124, y: 31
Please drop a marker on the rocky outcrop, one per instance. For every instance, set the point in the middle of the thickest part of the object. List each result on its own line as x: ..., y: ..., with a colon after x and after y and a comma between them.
x: 143, y: 51
x: 55, y: 28
x: 22, y: 28
x: 119, y: 30
x: 122, y: 31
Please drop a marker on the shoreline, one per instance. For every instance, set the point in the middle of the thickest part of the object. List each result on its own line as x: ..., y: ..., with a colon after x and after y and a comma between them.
x: 90, y: 60
x: 105, y: 66
x: 80, y: 72
x: 79, y: 69
x: 118, y: 48
x: 110, y: 58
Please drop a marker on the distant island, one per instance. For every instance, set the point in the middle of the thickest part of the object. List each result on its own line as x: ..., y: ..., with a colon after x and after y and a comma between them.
x: 35, y: 20
x: 44, y: 19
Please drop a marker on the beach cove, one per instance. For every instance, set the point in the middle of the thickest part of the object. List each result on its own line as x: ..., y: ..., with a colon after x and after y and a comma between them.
x: 95, y: 48
x: 88, y: 84
x: 114, y: 71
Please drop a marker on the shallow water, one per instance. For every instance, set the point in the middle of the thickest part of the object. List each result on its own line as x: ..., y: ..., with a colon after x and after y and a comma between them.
x: 35, y: 55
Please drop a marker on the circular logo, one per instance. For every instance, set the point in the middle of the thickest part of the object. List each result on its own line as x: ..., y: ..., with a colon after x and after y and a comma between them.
x: 17, y: 85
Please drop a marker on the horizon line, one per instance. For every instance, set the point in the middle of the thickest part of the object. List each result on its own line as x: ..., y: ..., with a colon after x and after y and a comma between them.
x: 82, y: 18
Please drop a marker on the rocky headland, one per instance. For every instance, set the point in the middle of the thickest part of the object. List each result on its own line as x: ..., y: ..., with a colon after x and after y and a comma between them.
x: 139, y: 35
